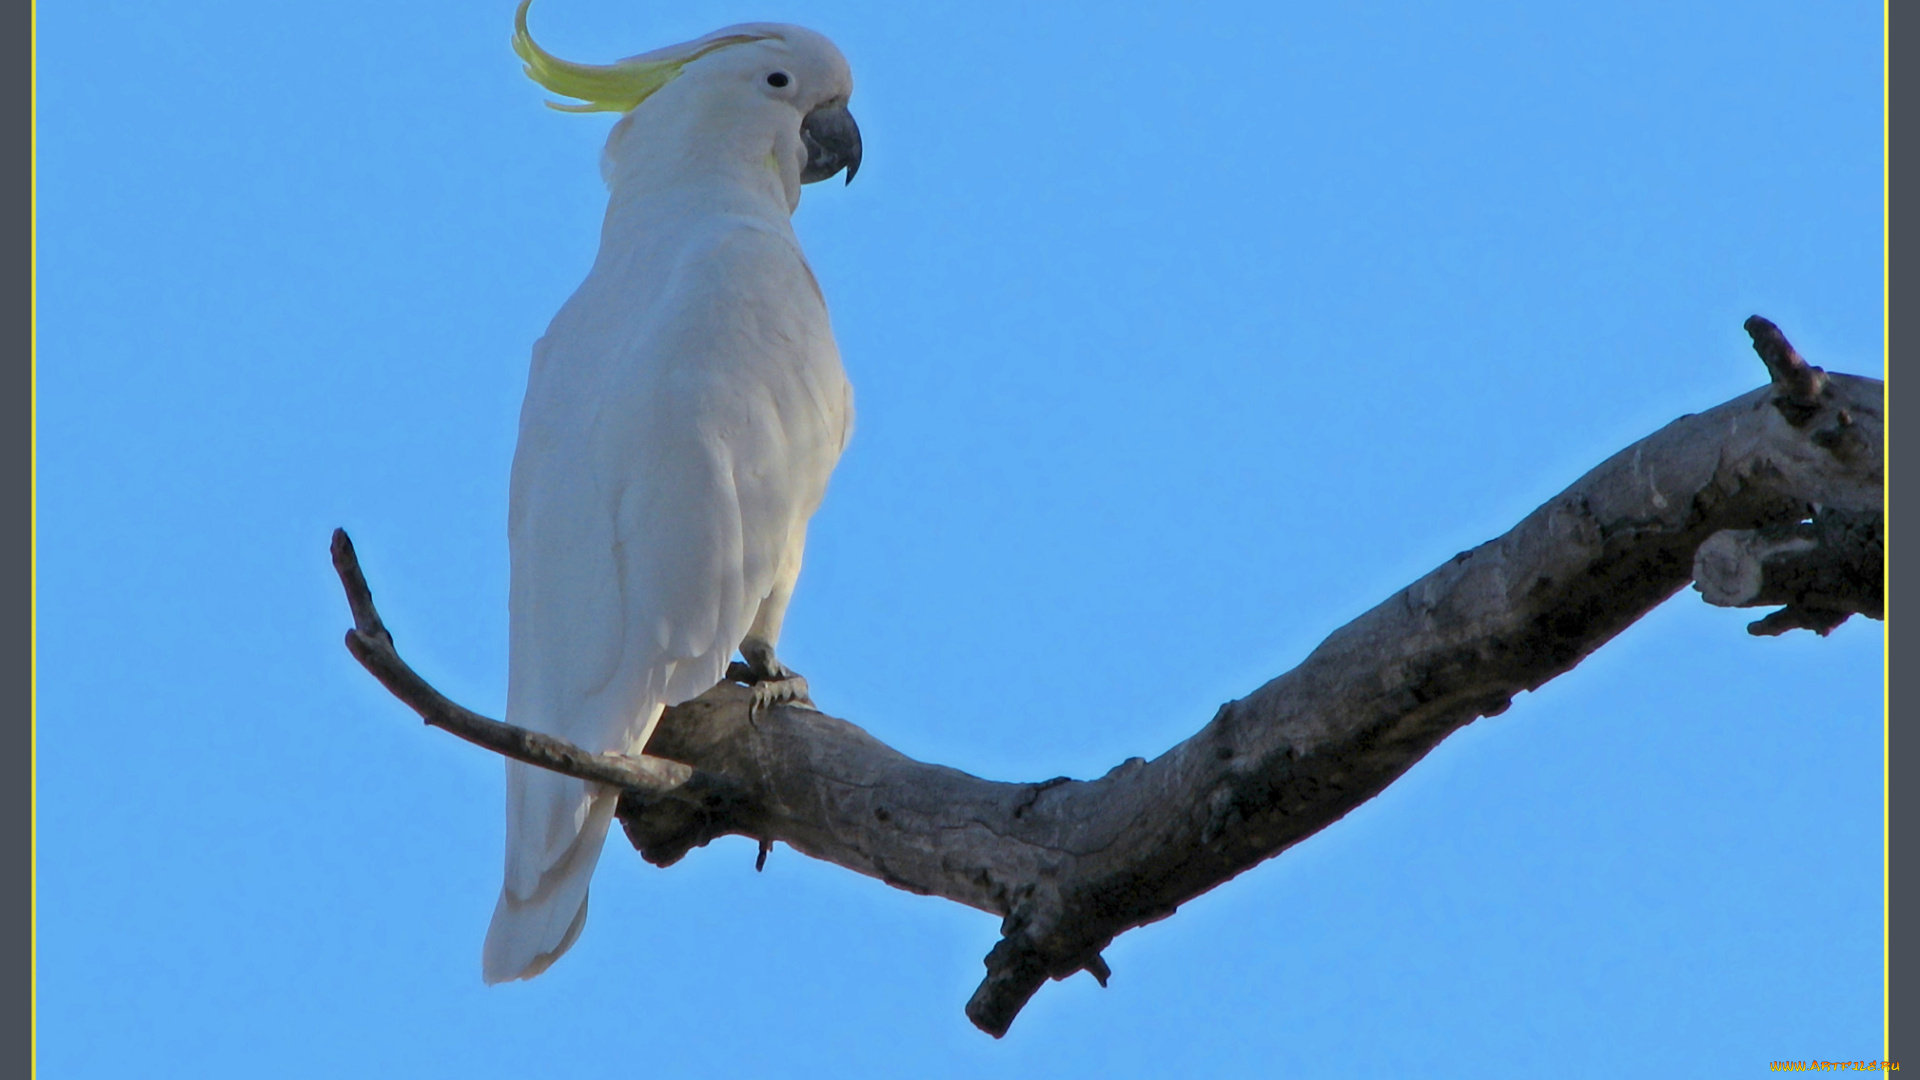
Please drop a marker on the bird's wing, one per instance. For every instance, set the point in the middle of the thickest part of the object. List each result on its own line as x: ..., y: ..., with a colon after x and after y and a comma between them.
x: 742, y: 428
x: 680, y: 425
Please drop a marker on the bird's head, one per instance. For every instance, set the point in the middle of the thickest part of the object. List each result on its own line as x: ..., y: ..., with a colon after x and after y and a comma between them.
x: 773, y: 92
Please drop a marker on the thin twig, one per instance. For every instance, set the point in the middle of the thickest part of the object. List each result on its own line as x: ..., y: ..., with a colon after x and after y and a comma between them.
x: 1800, y: 381
x: 372, y: 645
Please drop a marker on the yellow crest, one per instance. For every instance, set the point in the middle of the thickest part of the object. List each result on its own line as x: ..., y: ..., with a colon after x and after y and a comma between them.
x: 607, y: 87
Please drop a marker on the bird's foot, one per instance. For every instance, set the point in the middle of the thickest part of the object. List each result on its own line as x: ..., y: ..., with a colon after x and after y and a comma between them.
x: 772, y: 682
x: 787, y: 689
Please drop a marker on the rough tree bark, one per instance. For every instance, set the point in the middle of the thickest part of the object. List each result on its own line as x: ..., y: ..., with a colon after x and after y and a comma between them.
x: 1771, y: 498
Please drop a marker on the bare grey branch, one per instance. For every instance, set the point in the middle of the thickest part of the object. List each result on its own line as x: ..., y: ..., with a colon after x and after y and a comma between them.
x: 1824, y: 570
x: 1068, y: 865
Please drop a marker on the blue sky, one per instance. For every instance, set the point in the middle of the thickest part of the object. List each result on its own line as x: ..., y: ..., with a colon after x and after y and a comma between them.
x: 1181, y: 334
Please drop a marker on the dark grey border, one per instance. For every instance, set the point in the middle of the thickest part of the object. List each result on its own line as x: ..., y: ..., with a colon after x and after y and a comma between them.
x: 1903, y: 467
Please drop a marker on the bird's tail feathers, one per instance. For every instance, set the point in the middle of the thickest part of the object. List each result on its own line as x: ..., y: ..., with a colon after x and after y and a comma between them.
x: 531, y: 930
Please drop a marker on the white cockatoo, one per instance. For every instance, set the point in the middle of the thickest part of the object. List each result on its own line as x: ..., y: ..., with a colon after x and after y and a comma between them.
x: 683, y: 413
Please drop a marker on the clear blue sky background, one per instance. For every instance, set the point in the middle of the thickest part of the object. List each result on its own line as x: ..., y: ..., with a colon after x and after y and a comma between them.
x: 1181, y: 334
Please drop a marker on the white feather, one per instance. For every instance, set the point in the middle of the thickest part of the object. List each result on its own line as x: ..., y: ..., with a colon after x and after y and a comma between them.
x: 683, y: 414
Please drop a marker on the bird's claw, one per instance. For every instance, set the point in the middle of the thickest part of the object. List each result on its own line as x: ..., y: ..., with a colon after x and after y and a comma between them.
x: 788, y: 689
x: 772, y: 682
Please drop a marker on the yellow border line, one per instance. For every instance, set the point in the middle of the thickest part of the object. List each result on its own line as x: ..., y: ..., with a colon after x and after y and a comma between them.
x: 1886, y: 461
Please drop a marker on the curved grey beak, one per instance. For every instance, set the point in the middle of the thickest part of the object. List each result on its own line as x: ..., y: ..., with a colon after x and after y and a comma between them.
x: 833, y: 143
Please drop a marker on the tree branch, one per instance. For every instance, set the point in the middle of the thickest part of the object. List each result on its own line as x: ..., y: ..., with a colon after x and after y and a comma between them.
x: 1797, y: 384
x: 372, y: 645
x: 1070, y: 864
x: 1824, y: 571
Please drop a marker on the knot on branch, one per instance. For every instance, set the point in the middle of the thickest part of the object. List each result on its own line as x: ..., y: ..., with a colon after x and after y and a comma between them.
x: 663, y: 827
x: 1824, y: 571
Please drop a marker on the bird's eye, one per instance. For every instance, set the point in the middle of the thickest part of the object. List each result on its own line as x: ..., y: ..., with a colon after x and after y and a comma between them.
x: 778, y: 78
